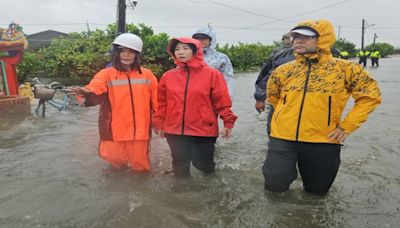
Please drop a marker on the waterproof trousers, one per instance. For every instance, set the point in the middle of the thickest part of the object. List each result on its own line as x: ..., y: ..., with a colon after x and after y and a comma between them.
x: 363, y: 60
x: 318, y: 164
x: 187, y: 149
x: 375, y: 61
x: 123, y: 153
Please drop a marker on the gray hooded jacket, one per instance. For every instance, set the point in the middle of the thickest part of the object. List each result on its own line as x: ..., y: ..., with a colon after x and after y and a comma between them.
x: 218, y: 60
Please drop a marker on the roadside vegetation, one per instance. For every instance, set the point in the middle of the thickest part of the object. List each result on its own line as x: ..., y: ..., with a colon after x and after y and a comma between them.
x: 385, y: 49
x: 78, y: 57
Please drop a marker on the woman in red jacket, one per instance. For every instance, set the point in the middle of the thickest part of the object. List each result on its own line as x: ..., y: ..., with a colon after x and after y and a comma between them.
x: 190, y: 98
x: 127, y: 94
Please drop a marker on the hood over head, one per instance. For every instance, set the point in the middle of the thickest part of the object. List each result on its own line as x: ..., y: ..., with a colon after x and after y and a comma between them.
x: 210, y: 33
x: 197, y: 59
x: 324, y: 31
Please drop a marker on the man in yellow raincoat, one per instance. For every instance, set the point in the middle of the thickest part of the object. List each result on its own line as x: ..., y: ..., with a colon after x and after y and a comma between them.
x: 309, y: 96
x: 375, y: 55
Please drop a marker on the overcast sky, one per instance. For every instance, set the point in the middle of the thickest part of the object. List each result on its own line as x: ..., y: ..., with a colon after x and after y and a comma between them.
x: 246, y: 21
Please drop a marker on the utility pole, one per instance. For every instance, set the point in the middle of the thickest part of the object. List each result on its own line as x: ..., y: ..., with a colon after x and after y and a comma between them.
x: 121, y: 16
x: 375, y: 36
x: 87, y: 26
x: 338, y: 36
x: 363, y: 27
x: 362, y: 34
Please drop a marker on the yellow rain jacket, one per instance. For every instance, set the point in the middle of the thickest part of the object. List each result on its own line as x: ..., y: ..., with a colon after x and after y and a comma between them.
x: 375, y: 54
x: 310, y: 93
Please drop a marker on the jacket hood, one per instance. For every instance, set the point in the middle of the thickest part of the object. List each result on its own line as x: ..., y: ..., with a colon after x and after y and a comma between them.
x: 209, y: 32
x: 197, y: 59
x: 326, y: 32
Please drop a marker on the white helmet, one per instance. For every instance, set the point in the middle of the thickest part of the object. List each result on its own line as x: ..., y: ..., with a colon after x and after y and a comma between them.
x: 129, y: 40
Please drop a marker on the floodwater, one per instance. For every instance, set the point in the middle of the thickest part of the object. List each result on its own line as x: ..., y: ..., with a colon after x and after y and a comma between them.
x: 51, y: 175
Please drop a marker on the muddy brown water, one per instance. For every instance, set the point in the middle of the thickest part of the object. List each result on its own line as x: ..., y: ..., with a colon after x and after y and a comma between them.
x: 51, y: 175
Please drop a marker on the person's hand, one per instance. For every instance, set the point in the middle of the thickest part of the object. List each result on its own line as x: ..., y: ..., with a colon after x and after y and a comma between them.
x: 76, y: 90
x: 260, y: 106
x: 339, y: 135
x: 159, y: 133
x: 226, y: 133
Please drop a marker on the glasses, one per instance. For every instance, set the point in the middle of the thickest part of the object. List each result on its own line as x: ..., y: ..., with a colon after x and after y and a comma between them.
x: 302, y: 37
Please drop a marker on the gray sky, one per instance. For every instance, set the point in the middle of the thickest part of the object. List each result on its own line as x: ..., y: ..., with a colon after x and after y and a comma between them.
x: 246, y: 21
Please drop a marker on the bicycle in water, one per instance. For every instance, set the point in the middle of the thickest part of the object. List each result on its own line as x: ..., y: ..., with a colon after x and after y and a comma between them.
x: 54, y: 94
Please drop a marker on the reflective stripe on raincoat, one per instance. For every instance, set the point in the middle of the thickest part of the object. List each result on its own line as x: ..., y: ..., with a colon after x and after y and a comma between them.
x: 130, y: 98
x: 218, y: 60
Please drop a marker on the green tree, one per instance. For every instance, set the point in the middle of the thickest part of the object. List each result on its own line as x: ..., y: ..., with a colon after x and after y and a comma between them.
x: 29, y: 67
x: 345, y: 45
x: 384, y: 49
x: 79, y: 56
x: 82, y: 54
x: 247, y: 56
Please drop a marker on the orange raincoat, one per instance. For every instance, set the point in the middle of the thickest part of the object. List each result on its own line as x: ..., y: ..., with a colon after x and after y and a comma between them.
x: 127, y: 100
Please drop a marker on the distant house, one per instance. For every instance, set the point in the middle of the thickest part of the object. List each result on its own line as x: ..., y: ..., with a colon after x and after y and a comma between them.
x: 42, y: 39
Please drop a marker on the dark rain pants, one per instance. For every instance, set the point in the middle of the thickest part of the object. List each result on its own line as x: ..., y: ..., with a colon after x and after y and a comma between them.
x: 375, y: 61
x: 318, y: 164
x: 186, y: 149
x: 363, y: 60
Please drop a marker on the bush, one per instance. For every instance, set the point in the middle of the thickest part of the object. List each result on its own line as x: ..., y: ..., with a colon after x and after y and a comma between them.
x: 384, y: 49
x: 247, y: 56
x: 344, y: 45
x: 79, y: 55
x: 83, y: 54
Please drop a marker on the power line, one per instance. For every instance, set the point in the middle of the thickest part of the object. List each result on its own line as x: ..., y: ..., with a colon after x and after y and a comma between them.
x: 388, y: 28
x: 69, y: 38
x: 48, y: 24
x: 242, y: 10
x: 200, y: 2
x: 285, y: 18
x: 216, y: 26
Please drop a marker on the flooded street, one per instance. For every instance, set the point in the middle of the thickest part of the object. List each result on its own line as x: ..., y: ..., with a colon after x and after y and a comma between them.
x: 51, y: 175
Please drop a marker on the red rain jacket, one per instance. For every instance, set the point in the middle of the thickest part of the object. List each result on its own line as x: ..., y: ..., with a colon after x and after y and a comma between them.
x: 192, y: 96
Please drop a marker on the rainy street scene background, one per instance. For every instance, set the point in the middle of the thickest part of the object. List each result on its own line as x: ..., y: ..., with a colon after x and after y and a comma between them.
x: 52, y: 176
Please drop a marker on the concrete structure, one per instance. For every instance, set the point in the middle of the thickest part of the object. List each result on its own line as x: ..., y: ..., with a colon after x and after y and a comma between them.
x: 14, y: 104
